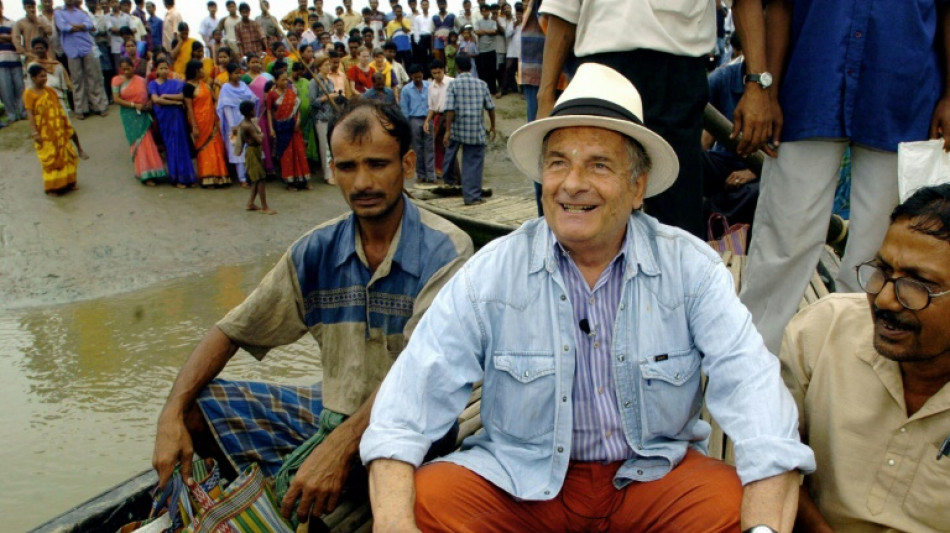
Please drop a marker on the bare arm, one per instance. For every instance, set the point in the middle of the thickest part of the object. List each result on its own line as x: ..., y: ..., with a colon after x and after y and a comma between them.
x: 771, y: 501
x: 491, y: 120
x: 449, y: 118
x: 752, y: 120
x: 173, y: 443
x: 392, y: 494
x: 778, y: 31
x: 190, y: 112
x: 558, y: 43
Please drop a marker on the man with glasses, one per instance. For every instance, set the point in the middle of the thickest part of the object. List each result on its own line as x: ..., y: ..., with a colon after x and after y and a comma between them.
x: 871, y: 377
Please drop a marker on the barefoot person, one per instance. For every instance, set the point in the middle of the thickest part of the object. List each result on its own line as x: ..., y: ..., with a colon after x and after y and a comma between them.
x: 130, y: 93
x: 359, y: 284
x: 205, y: 134
x: 250, y: 138
x: 168, y: 103
x: 230, y: 97
x: 52, y: 133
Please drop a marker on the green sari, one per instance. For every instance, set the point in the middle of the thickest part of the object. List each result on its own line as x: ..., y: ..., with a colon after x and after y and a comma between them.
x: 145, y: 157
x: 306, y: 119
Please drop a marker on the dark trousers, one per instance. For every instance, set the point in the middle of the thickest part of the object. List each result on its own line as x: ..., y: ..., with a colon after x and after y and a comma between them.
x: 487, y: 65
x: 674, y: 92
x: 508, y: 84
x: 422, y: 53
x: 473, y: 166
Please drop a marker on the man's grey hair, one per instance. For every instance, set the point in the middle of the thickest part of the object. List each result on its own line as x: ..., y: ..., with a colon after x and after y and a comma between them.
x: 639, y: 160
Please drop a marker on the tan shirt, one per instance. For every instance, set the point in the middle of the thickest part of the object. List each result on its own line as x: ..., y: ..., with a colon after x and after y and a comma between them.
x: 355, y: 357
x: 877, y: 468
x: 170, y: 27
x: 25, y: 31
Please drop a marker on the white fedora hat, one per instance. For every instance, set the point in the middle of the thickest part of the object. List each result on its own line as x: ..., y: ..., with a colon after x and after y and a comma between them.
x: 601, y: 97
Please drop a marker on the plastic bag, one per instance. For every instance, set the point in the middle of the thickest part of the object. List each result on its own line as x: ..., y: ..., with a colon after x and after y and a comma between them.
x: 921, y: 164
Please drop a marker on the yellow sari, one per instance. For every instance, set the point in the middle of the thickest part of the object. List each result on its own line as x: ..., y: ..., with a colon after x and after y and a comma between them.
x: 55, y: 149
x: 184, y: 56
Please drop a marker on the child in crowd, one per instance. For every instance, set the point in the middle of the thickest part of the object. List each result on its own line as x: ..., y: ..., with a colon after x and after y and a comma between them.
x: 451, y: 49
x: 250, y: 137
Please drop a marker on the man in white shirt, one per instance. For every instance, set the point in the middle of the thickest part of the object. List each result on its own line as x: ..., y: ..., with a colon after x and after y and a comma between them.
x: 662, y: 50
x: 228, y: 23
x: 509, y: 83
x: 208, y: 25
x: 435, y: 121
x: 115, y: 21
x: 422, y: 28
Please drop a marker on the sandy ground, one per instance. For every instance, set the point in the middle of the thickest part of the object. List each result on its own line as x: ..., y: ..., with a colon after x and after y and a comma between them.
x: 113, y: 235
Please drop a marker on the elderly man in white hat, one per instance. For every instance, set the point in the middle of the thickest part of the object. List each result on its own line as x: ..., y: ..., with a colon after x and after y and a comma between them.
x: 589, y: 329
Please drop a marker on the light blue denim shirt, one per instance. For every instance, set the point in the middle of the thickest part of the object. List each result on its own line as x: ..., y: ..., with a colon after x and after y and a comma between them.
x: 506, y: 319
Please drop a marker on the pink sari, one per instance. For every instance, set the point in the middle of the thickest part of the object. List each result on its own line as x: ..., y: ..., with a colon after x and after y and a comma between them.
x: 257, y: 87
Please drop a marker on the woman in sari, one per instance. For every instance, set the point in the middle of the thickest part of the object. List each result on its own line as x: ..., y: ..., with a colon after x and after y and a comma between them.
x: 232, y: 94
x: 302, y: 86
x: 283, y: 115
x: 306, y: 59
x: 256, y: 80
x: 198, y: 54
x: 132, y: 52
x: 199, y: 105
x: 130, y: 93
x: 168, y: 103
x: 220, y: 75
x: 181, y: 50
x: 51, y: 132
x: 320, y: 90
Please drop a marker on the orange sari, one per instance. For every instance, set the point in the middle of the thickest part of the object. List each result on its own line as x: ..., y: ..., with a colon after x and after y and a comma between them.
x: 55, y: 149
x: 211, y: 166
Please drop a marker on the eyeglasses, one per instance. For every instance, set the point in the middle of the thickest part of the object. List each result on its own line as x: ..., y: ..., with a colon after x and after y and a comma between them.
x: 912, y: 294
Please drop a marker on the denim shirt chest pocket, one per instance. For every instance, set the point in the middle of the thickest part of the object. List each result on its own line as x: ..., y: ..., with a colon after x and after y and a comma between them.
x: 523, y: 387
x: 670, y: 388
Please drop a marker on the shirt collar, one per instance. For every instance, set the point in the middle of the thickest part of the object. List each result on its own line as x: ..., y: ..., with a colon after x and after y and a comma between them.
x: 637, y: 249
x: 407, y: 241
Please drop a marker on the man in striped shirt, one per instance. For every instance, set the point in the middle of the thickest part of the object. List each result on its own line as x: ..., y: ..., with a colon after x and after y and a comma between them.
x: 588, y: 329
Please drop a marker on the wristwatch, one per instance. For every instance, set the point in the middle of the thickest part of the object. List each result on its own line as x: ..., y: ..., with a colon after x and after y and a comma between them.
x: 764, y: 79
x: 760, y: 529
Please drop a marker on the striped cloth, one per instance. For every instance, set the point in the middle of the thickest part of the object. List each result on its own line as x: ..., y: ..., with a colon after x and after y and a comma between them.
x: 258, y: 422
x: 8, y: 56
x: 598, y: 432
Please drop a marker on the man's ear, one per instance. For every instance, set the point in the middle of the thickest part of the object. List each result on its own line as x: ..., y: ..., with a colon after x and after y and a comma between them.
x: 409, y: 164
x: 640, y: 189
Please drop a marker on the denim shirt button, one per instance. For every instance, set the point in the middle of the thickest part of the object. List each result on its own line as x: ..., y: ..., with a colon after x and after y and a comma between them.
x: 526, y: 373
x: 563, y: 398
x: 623, y: 306
x: 626, y: 404
x: 620, y: 358
x: 639, y: 472
x: 547, y: 492
x: 560, y: 449
x: 563, y: 297
x: 566, y: 347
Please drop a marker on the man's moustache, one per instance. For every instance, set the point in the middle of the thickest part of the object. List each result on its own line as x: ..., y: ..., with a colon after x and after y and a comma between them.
x: 356, y: 196
x: 894, y: 321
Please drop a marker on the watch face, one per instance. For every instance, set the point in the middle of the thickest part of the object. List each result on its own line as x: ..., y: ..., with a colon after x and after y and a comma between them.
x: 765, y: 80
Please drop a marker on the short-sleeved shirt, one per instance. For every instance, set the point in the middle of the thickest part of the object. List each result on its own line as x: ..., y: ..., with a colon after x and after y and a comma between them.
x: 468, y: 97
x: 362, y: 81
x: 170, y: 27
x: 249, y: 36
x: 486, y: 43
x: 437, y: 93
x: 877, y: 467
x: 360, y: 319
x: 866, y: 71
x: 398, y: 33
x: 386, y: 95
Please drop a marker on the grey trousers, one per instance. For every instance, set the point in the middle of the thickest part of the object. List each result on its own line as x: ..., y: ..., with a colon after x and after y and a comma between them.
x: 423, y: 145
x: 11, y: 92
x: 796, y: 198
x: 473, y: 166
x: 89, y: 93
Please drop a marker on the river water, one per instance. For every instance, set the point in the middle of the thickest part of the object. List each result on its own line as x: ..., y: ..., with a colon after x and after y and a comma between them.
x: 81, y: 385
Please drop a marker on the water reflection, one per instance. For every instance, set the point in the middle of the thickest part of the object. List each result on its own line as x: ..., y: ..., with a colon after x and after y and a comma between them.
x: 81, y: 384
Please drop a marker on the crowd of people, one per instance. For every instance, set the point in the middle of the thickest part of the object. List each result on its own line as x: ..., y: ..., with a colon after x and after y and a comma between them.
x: 179, y: 92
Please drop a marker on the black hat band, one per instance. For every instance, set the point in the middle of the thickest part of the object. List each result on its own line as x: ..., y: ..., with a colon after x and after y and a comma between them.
x: 596, y: 107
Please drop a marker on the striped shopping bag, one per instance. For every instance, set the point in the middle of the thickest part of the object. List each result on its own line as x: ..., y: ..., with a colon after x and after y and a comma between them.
x: 730, y: 238
x: 247, y: 505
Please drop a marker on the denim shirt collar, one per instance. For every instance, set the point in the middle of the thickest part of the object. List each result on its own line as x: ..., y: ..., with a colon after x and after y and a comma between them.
x: 639, y: 255
x: 407, y: 240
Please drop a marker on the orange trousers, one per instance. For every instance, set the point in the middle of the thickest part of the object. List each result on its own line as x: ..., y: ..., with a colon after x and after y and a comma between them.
x: 700, y: 495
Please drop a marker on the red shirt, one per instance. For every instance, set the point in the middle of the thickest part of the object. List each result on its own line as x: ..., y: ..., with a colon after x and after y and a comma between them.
x: 362, y: 80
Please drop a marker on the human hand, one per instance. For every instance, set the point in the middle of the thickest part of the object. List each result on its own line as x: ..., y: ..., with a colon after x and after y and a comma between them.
x: 940, y: 123
x: 739, y: 178
x: 319, y: 481
x: 752, y: 120
x: 425, y: 127
x: 491, y: 134
x: 35, y: 134
x: 173, y: 445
